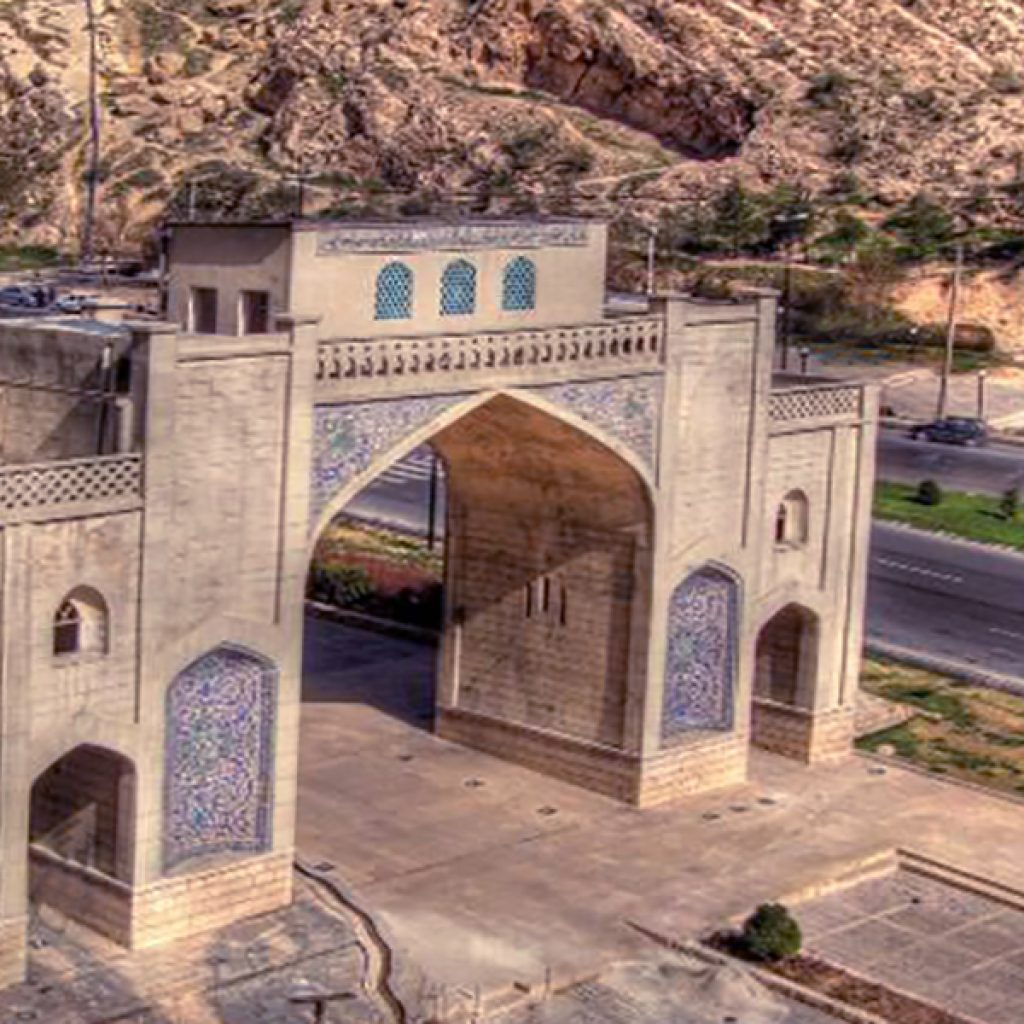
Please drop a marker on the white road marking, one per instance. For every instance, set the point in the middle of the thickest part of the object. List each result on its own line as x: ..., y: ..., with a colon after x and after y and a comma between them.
x: 891, y: 563
x: 999, y: 631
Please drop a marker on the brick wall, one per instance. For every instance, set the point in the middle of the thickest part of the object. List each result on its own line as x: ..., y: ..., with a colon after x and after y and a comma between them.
x: 12, y: 951
x: 174, y: 908
x: 714, y: 762
x: 696, y: 767
x: 80, y: 893
x: 801, y: 734
x: 600, y: 769
x: 545, y: 633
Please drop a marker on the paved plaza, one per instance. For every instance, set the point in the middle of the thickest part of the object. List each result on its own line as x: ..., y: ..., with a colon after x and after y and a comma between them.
x: 484, y: 874
x: 493, y: 883
x: 953, y: 948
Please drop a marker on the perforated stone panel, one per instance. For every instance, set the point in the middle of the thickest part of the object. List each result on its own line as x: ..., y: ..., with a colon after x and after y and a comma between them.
x: 458, y: 289
x: 700, y: 660
x: 61, y: 483
x: 394, y: 293
x: 814, y: 403
x: 219, y: 756
x: 519, y: 285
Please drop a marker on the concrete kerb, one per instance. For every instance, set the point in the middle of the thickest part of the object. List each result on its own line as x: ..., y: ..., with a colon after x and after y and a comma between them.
x: 954, y: 538
x: 879, y: 865
x: 773, y: 982
x: 959, y: 670
x: 381, y: 964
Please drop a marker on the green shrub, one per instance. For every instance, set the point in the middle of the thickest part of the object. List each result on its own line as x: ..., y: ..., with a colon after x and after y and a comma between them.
x: 928, y: 493
x: 771, y: 933
x: 1009, y: 503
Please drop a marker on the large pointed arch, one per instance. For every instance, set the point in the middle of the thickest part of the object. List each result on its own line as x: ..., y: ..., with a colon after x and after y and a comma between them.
x: 399, y: 427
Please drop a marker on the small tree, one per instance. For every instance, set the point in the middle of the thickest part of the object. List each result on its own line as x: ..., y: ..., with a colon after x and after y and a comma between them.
x: 1009, y: 503
x: 771, y: 933
x: 928, y: 493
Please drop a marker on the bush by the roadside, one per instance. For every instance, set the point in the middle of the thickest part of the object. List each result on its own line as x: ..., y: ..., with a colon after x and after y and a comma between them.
x: 928, y: 493
x: 771, y: 933
x: 972, y: 516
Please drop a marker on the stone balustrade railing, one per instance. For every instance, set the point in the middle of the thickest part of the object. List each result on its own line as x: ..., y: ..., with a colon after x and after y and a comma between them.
x: 49, y: 485
x: 792, y: 405
x: 620, y: 344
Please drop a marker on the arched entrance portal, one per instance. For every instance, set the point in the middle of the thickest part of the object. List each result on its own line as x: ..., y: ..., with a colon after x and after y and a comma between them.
x: 546, y: 582
x: 81, y: 838
x: 787, y: 649
x: 785, y: 683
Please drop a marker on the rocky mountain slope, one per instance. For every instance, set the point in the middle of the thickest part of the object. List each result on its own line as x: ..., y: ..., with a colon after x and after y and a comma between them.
x: 589, y: 104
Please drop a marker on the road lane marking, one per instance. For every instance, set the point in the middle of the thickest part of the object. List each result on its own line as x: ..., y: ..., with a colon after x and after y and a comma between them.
x: 999, y: 631
x: 892, y: 563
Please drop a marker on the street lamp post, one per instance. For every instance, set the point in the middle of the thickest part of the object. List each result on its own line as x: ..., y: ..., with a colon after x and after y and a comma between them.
x: 805, y: 354
x: 982, y: 378
x: 947, y: 362
x: 652, y: 254
x: 787, y: 221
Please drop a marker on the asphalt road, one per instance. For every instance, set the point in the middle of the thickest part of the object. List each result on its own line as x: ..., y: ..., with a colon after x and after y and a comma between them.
x: 925, y: 593
x: 947, y: 599
x: 989, y: 470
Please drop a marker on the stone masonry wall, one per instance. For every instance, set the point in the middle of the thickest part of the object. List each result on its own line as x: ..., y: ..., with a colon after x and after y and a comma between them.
x: 801, y: 734
x: 545, y: 633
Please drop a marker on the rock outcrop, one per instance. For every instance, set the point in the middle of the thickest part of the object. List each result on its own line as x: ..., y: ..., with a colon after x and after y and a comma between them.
x: 219, y: 103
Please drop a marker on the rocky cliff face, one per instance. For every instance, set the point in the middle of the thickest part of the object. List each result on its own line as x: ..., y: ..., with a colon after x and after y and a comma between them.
x: 498, y: 102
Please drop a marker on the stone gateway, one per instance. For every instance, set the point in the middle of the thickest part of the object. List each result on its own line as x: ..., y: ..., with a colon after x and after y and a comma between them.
x: 655, y: 546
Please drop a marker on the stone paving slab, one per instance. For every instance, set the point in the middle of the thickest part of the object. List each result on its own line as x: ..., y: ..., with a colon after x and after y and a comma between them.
x: 479, y: 888
x: 680, y: 990
x: 240, y: 975
x: 928, y: 938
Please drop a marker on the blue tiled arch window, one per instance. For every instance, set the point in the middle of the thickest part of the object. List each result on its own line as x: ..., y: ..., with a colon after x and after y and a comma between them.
x: 519, y: 286
x: 458, y: 289
x: 394, y: 293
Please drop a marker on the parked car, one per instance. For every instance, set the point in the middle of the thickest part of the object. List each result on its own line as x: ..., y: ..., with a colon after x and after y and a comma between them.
x: 75, y: 303
x: 951, y: 430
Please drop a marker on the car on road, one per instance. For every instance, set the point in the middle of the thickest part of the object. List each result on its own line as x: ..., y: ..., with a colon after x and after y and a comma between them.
x: 951, y: 430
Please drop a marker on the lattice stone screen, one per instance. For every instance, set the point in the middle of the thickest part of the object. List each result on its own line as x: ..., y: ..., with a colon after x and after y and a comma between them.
x: 394, y: 292
x: 519, y: 285
x: 814, y: 403
x: 458, y: 289
x: 75, y: 480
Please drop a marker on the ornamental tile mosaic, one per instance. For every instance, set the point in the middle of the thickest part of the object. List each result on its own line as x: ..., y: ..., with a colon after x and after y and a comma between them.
x: 700, y: 661
x: 347, y: 438
x: 627, y: 408
x: 219, y: 757
x: 460, y: 237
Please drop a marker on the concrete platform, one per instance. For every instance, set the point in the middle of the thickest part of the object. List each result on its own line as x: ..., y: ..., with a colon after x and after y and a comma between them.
x: 485, y: 874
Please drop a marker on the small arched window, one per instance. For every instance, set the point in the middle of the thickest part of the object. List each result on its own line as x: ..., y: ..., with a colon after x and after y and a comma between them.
x: 394, y: 293
x: 519, y: 286
x: 458, y: 289
x: 791, y: 520
x: 81, y: 624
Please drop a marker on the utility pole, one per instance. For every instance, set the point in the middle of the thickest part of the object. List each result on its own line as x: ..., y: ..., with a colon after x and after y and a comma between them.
x: 652, y: 254
x: 947, y: 362
x: 93, y: 170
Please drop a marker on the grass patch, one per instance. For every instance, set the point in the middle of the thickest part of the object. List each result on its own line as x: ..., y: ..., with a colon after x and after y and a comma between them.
x: 962, y: 731
x: 28, y: 257
x: 973, y: 516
